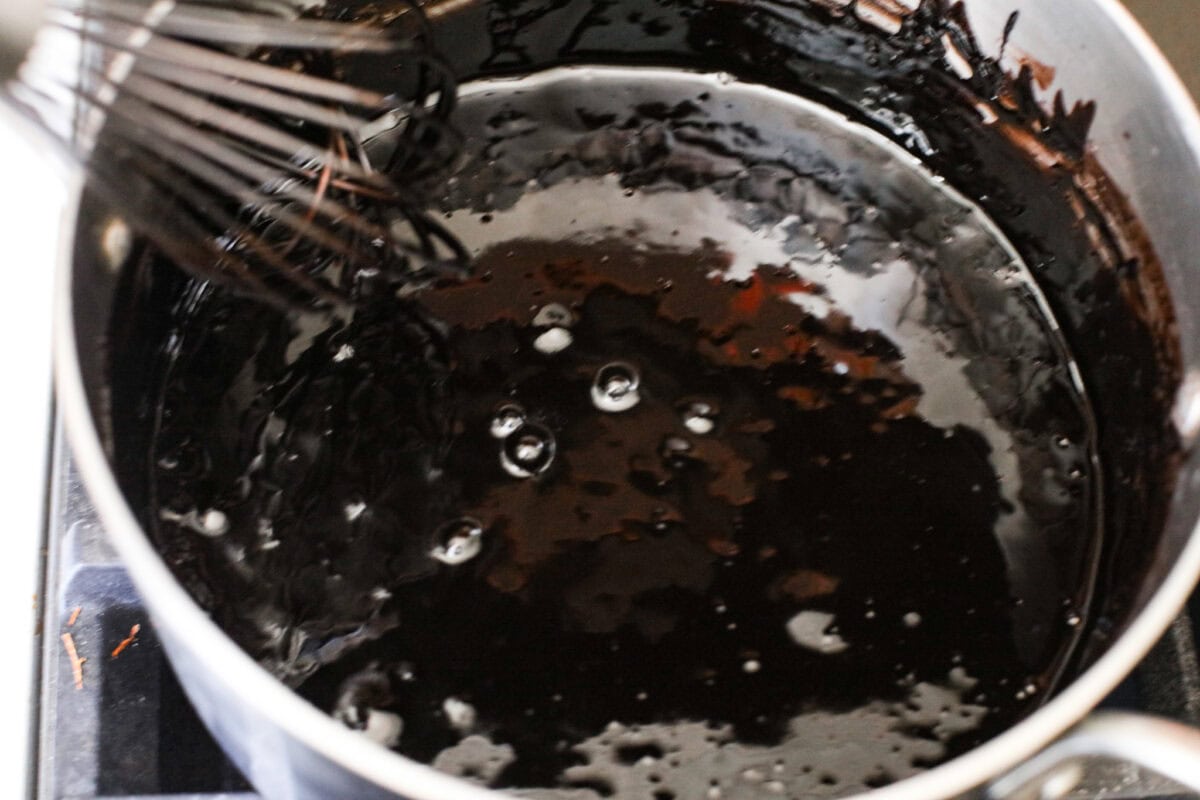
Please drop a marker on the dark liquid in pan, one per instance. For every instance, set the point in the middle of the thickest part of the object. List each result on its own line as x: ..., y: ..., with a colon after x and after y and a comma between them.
x: 776, y: 479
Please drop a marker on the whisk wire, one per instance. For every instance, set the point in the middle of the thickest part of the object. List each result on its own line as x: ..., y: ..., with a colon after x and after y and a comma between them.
x: 174, y: 227
x: 203, y: 206
x: 200, y: 111
x: 169, y: 136
x: 120, y: 36
x: 252, y: 174
x: 233, y: 185
x: 240, y: 177
x: 228, y: 88
x: 235, y: 27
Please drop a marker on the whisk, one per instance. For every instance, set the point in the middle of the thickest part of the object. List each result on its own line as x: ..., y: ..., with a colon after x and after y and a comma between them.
x: 216, y: 129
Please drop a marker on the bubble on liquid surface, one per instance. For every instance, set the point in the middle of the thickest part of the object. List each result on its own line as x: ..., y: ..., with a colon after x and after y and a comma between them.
x: 552, y: 341
x: 459, y: 540
x: 212, y: 523
x: 354, y: 510
x: 527, y: 451
x: 459, y: 714
x: 383, y: 727
x: 554, y: 315
x: 116, y: 243
x: 700, y: 417
x: 615, y: 388
x: 506, y: 421
x: 676, y: 450
x: 808, y: 629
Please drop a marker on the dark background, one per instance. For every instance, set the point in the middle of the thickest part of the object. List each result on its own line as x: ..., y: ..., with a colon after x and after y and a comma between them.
x: 1175, y: 25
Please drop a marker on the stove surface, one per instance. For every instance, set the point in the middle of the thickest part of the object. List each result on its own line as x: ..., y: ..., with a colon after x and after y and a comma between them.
x: 129, y: 732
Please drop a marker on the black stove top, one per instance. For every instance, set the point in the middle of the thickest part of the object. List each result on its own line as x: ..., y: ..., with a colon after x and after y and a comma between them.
x: 131, y: 733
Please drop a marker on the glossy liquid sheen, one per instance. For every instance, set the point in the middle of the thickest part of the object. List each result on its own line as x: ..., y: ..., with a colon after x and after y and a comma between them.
x: 748, y: 462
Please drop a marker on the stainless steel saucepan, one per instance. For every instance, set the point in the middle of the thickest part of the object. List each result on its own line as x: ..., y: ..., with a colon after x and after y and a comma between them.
x: 1146, y: 134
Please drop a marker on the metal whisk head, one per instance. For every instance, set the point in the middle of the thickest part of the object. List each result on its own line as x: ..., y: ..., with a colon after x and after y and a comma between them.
x: 216, y: 129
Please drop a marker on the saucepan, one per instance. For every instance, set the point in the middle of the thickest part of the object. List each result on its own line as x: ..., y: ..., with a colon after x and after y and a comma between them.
x: 1070, y: 97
